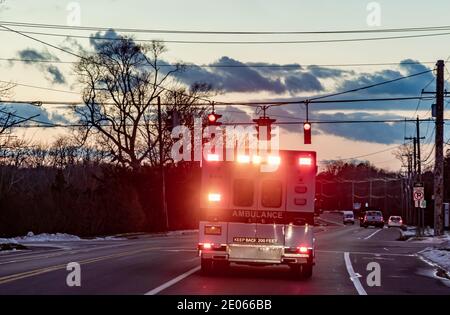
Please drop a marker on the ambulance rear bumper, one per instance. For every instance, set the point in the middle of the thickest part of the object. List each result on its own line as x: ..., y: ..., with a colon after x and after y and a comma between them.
x: 263, y: 255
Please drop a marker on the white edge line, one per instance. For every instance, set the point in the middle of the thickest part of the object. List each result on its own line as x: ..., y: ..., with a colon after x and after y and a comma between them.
x: 366, y: 238
x: 353, y: 277
x: 173, y: 281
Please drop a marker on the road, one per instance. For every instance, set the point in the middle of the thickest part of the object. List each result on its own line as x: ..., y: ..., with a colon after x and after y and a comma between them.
x: 169, y: 265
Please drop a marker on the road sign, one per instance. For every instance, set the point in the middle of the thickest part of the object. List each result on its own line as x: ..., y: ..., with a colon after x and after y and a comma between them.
x: 423, y: 204
x: 418, y: 194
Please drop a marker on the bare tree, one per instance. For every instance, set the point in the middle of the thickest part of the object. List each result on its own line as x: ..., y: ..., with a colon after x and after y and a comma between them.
x: 121, y: 83
x: 8, y: 117
x: 403, y: 152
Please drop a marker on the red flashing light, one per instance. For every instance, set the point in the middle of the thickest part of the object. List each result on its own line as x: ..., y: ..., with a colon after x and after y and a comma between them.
x: 307, y: 133
x: 213, y: 119
x: 205, y: 245
x: 305, y: 161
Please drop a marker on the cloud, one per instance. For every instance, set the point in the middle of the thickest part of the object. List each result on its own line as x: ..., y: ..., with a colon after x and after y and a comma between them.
x: 230, y: 75
x: 46, y: 116
x: 407, y: 87
x: 32, y: 56
x: 383, y: 133
x: 97, y: 42
x: 326, y: 73
x: 72, y: 44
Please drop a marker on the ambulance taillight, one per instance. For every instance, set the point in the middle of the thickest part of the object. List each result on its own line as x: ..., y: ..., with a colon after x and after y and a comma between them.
x: 214, y: 197
x: 305, y: 161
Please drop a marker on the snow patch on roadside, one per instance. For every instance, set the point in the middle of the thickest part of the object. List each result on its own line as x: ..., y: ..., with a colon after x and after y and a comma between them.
x: 181, y: 232
x: 439, y: 254
x: 56, y: 237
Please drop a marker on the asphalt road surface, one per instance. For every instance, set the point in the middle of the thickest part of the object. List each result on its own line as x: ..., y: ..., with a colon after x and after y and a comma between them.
x: 169, y: 265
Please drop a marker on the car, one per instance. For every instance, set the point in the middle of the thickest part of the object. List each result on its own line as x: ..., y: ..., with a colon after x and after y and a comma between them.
x: 395, y: 221
x: 348, y: 217
x: 373, y: 218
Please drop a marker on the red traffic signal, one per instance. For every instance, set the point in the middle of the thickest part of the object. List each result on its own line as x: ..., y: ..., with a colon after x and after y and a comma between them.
x: 264, y: 122
x: 213, y: 119
x: 307, y: 133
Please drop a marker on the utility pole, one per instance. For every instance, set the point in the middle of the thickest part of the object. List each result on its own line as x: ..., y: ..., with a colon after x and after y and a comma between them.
x: 161, y: 167
x: 439, y: 152
x: 421, y: 216
x: 408, y: 198
x: 415, y: 156
x: 419, y: 161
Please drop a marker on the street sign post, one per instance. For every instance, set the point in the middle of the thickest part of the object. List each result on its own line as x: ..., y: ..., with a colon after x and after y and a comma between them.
x: 420, y: 203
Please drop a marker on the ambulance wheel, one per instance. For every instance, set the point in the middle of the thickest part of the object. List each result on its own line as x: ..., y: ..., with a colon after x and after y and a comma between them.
x: 302, y: 272
x: 307, y: 271
x: 206, y: 266
x: 221, y: 266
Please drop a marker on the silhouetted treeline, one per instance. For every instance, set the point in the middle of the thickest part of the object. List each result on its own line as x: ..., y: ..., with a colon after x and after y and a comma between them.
x: 341, y: 184
x: 95, y: 199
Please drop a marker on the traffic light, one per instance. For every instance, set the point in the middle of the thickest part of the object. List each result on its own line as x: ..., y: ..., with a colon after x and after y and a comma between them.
x: 264, y: 122
x: 213, y: 119
x: 172, y: 119
x: 307, y: 133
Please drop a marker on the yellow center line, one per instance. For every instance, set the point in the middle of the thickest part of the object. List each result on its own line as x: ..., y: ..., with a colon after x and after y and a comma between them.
x: 40, y: 271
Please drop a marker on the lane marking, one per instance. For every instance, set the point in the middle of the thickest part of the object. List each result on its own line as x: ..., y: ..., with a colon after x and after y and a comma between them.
x: 366, y: 238
x: 366, y: 253
x: 35, y: 272
x: 60, y: 253
x: 354, y: 277
x: 173, y: 281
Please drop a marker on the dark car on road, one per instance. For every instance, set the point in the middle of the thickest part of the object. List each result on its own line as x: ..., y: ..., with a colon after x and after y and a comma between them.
x: 372, y: 218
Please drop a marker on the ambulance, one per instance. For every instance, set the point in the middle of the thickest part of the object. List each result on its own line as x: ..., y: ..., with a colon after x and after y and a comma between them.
x: 252, y: 216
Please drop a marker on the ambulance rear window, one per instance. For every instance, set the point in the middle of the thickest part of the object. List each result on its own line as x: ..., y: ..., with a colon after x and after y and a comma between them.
x: 243, y: 191
x: 271, y: 193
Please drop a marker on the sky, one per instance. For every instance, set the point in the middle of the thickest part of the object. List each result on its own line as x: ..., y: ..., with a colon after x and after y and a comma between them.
x: 245, y: 83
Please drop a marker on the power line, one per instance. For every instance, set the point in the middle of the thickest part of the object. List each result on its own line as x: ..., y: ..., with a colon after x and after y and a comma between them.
x: 369, y: 154
x: 420, y: 100
x: 373, y: 85
x: 246, y: 65
x: 40, y: 87
x: 54, y: 125
x: 235, y: 103
x: 208, y: 100
x: 84, y: 58
x: 265, y: 42
x: 177, y: 31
